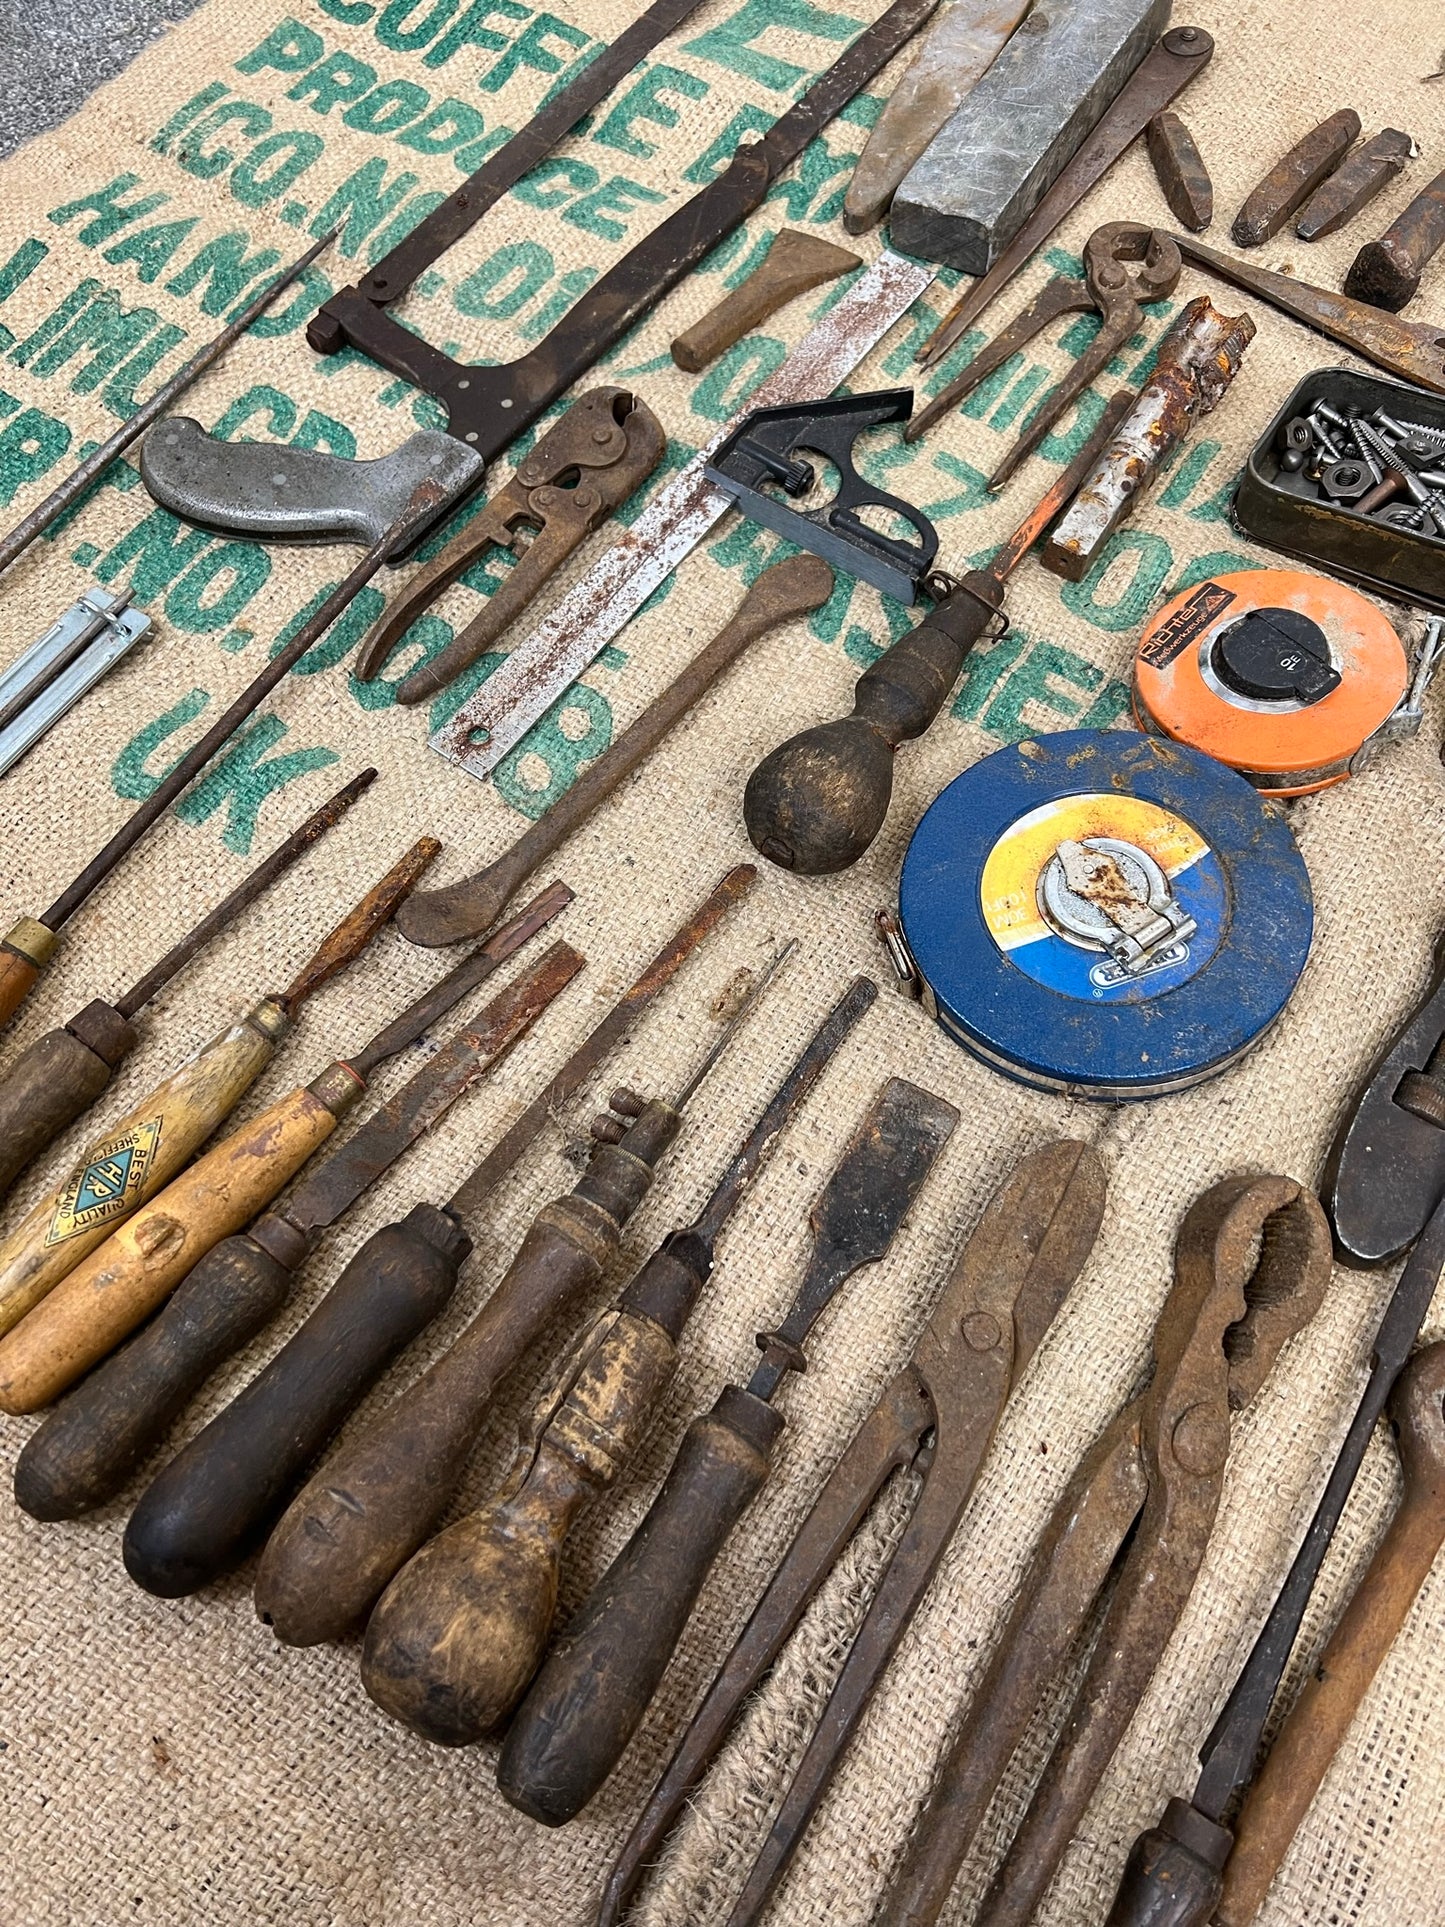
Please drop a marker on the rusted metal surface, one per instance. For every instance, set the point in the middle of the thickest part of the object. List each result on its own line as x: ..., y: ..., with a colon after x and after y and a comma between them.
x: 939, y: 1414
x: 1387, y: 272
x: 955, y: 53
x: 545, y: 663
x: 1354, y: 184
x: 1141, y: 1506
x: 595, y: 1685
x: 1124, y: 266
x: 488, y: 407
x: 1180, y: 168
x: 794, y: 263
x: 1198, y: 359
x: 1293, y: 178
x: 1160, y: 77
x: 1341, y: 1676
x: 1172, y: 1878
x: 357, y: 928
x: 581, y: 471
x: 791, y: 588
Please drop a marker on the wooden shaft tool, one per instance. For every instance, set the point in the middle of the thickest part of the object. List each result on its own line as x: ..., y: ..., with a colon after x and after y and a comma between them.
x: 56, y: 1079
x: 365, y: 1513
x: 87, y: 1448
x: 29, y: 945
x: 121, y: 1275
x: 1341, y: 1677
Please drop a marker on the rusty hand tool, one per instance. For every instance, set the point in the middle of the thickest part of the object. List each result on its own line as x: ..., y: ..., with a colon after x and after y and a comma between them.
x: 1367, y: 172
x: 1125, y: 265
x: 87, y: 1449
x: 87, y: 472
x: 1293, y: 178
x: 790, y: 588
x: 1340, y: 1678
x: 143, y: 1149
x: 1387, y: 272
x: 1179, y: 55
x: 1140, y: 1507
x: 215, y: 1502
x: 461, y: 1629
x: 1172, y: 1878
x: 1412, y: 350
x: 29, y: 945
x: 152, y: 1236
x: 56, y: 1079
x: 592, y: 1691
x: 1198, y: 359
x: 1181, y: 172
x: 582, y: 470
x: 365, y: 1513
x: 794, y: 263
x: 939, y: 1414
x: 816, y: 802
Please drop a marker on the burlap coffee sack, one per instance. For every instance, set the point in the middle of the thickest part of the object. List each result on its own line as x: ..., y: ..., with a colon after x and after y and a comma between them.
x: 166, y: 1761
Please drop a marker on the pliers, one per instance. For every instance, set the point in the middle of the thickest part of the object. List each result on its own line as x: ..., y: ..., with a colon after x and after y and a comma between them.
x: 1141, y: 1506
x: 939, y: 1415
x: 1124, y: 265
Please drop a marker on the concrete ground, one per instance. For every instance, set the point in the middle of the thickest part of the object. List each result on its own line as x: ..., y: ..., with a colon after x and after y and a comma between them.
x: 54, y: 53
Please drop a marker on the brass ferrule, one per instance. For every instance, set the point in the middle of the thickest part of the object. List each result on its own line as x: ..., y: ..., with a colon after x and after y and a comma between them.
x: 339, y: 1088
x: 270, y: 1017
x: 32, y: 940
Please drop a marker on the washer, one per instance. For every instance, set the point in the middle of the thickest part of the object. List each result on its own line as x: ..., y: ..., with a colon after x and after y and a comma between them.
x: 1105, y: 914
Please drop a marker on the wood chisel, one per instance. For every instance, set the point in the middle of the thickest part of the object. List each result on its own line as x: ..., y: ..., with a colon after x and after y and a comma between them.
x: 143, y: 1150
x: 56, y: 1079
x: 87, y: 1449
x: 224, y: 1490
x: 366, y: 1512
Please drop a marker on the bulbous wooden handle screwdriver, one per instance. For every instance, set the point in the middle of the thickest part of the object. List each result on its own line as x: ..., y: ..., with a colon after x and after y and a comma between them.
x: 816, y: 803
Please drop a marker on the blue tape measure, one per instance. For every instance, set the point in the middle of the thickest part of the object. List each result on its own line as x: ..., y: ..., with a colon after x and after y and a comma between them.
x: 1105, y: 914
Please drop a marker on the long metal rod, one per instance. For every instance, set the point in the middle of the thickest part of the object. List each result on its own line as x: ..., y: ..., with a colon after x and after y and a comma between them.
x: 80, y: 478
x: 734, y: 1024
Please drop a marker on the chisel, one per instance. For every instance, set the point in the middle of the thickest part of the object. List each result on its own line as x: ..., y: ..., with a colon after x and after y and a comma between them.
x: 221, y: 1494
x: 587, y: 1701
x: 87, y: 1448
x: 56, y: 1079
x: 143, y: 1150
x: 464, y: 1624
x: 365, y: 1513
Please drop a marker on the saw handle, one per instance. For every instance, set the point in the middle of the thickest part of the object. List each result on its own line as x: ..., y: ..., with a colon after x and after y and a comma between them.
x: 816, y: 803
x: 219, y: 1496
x: 54, y: 1081
x: 89, y: 1446
x: 589, y: 1698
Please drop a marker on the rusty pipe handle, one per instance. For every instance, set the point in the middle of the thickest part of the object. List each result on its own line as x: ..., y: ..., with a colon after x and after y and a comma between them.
x: 222, y: 1493
x: 51, y: 1083
x: 91, y: 1443
x: 816, y: 803
x: 1371, y: 1622
x: 589, y: 1698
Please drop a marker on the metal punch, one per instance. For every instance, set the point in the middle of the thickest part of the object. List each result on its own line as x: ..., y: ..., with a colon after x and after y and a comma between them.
x: 1125, y: 265
x: 938, y: 1416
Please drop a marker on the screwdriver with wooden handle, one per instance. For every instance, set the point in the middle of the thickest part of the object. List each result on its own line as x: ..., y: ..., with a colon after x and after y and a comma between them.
x: 465, y: 1623
x: 363, y: 1515
x: 56, y: 1079
x: 141, y: 1151
x: 88, y: 1447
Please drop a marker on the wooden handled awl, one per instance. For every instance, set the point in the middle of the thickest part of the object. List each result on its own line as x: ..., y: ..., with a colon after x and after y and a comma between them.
x: 143, y: 1150
x: 87, y: 1448
x: 58, y: 1077
x: 466, y: 1622
x: 363, y: 1515
x: 128, y: 1273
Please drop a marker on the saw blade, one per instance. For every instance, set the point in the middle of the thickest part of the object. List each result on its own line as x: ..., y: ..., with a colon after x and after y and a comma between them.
x: 547, y: 662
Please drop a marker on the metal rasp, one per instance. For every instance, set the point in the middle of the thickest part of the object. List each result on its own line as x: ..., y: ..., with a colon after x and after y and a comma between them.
x: 544, y: 664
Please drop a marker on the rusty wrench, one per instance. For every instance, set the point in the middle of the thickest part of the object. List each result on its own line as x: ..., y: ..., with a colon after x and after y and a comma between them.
x: 939, y: 1413
x: 1124, y: 265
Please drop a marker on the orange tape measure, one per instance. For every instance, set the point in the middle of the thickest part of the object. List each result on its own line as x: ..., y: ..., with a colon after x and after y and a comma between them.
x: 1280, y: 675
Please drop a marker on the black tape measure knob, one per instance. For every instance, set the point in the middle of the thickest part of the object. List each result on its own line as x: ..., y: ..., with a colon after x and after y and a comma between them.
x: 1275, y: 655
